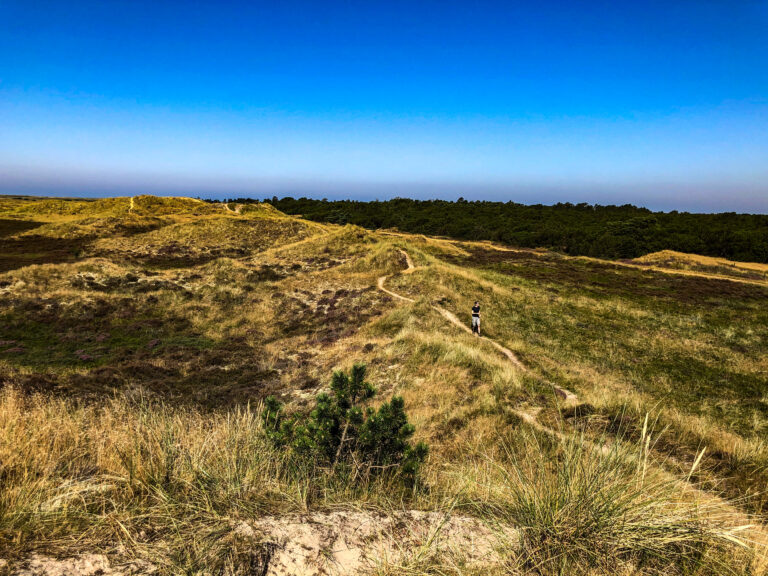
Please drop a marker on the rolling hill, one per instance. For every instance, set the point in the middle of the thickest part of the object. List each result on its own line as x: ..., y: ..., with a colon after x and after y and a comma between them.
x: 611, y: 419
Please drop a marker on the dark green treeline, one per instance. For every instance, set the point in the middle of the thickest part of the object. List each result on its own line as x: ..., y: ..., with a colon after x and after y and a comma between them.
x: 577, y: 229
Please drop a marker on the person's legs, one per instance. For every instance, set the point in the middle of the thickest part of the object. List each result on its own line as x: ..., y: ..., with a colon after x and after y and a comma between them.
x: 475, y: 325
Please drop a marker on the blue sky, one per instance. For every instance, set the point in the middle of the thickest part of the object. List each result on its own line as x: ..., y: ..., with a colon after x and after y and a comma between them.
x: 661, y: 104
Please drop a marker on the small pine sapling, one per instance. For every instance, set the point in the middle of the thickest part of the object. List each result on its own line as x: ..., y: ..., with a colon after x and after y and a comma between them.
x: 339, y: 432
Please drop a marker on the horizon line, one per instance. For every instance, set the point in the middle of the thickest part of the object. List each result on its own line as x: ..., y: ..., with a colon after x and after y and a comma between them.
x: 223, y: 197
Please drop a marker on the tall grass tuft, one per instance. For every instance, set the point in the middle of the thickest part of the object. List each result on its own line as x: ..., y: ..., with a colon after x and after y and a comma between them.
x: 172, y: 485
x: 588, y: 507
x: 139, y: 478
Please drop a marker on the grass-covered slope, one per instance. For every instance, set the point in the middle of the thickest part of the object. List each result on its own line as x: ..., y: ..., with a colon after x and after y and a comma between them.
x: 134, y: 363
x: 669, y: 259
x: 158, y: 231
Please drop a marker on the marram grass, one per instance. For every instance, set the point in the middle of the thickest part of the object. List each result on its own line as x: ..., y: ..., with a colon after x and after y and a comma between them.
x: 604, y: 508
x: 140, y: 479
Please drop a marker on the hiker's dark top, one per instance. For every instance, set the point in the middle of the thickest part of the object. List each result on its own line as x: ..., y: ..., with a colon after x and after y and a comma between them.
x: 476, y: 311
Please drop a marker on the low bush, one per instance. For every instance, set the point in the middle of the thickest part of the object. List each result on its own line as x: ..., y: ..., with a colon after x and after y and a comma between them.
x: 346, y: 438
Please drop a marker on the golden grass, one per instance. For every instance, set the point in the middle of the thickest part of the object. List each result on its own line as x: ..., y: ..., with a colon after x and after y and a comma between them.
x: 171, y: 485
x: 93, y: 475
x: 670, y: 258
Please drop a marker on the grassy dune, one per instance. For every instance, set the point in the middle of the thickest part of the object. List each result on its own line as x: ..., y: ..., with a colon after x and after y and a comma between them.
x: 669, y: 259
x: 138, y: 338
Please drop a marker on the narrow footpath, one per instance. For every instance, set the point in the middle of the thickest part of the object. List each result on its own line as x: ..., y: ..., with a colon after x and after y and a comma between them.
x: 529, y: 417
x: 566, y: 395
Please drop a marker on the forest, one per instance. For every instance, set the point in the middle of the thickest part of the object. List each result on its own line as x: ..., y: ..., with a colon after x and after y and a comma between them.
x: 619, y: 232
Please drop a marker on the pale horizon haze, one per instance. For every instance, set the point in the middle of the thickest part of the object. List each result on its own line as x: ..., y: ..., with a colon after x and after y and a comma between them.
x: 661, y: 105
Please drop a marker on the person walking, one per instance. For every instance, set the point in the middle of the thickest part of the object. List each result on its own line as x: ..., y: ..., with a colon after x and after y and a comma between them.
x: 476, y: 318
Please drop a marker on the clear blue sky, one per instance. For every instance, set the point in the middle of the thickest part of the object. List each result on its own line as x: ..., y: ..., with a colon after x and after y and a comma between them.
x: 662, y: 104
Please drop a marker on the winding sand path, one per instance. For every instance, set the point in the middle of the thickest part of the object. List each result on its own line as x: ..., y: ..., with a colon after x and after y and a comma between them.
x: 566, y: 395
x: 529, y: 417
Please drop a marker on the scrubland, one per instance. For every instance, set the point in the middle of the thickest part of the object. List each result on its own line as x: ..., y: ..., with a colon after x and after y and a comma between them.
x: 139, y: 338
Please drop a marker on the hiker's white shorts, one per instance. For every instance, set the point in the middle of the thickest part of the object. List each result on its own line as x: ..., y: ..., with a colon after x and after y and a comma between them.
x: 475, y: 321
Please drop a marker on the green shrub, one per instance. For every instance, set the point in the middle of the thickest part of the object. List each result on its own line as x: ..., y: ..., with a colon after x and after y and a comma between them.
x: 339, y: 433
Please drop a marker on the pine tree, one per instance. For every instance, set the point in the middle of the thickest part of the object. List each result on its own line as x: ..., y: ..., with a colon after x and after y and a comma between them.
x: 340, y: 433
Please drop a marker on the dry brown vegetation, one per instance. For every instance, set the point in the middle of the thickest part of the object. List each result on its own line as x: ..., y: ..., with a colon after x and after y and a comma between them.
x: 138, y: 337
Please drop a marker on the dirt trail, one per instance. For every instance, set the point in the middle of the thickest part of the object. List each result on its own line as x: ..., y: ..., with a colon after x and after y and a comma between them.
x: 130, y: 207
x: 529, y: 417
x: 566, y: 395
x: 380, y: 284
x: 238, y: 208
